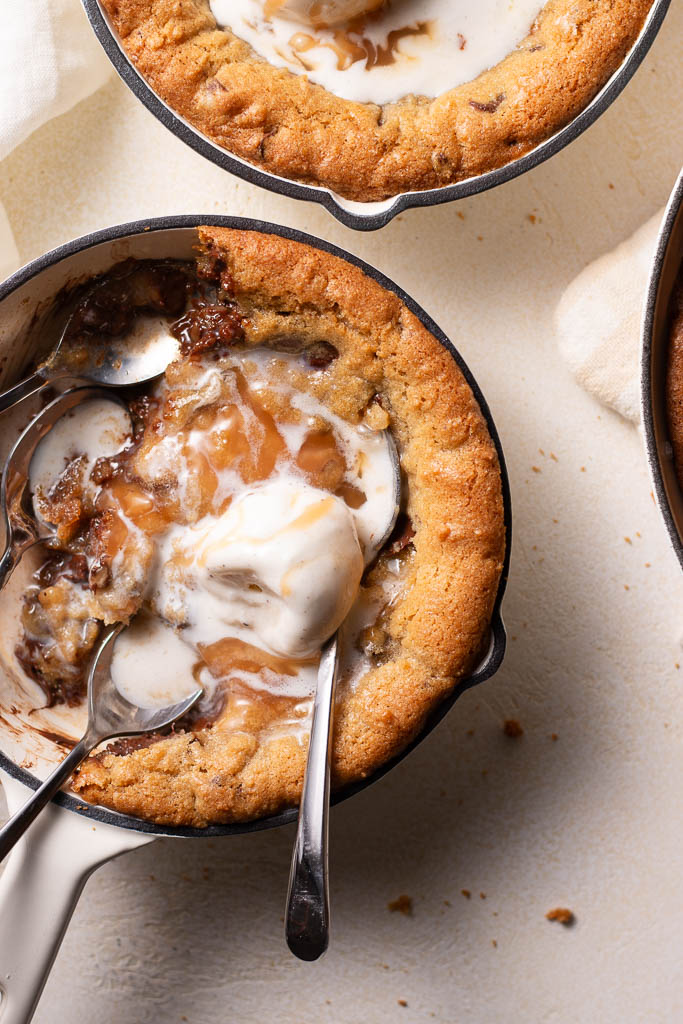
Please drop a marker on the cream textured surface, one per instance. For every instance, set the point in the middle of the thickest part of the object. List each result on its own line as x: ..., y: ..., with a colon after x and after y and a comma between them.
x: 192, y: 931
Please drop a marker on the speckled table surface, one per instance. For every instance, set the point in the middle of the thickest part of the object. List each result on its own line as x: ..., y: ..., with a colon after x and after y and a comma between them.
x: 582, y: 811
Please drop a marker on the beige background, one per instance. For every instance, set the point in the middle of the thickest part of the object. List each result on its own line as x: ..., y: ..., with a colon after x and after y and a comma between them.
x: 193, y: 930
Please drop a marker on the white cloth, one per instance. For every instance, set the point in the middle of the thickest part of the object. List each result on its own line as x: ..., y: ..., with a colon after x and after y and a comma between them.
x: 597, y: 321
x: 51, y: 60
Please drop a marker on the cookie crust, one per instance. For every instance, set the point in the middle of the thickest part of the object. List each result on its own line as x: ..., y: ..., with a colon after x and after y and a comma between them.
x: 674, y: 382
x: 439, y: 626
x: 286, y: 125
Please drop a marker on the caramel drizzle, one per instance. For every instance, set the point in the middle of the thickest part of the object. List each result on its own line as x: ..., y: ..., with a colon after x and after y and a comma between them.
x: 350, y: 46
x: 230, y: 654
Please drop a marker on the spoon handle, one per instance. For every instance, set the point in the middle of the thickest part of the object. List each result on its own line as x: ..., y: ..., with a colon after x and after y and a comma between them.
x: 10, y: 557
x: 18, y: 392
x: 308, y: 904
x: 19, y: 822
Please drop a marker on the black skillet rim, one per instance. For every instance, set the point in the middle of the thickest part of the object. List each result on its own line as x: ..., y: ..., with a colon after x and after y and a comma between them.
x: 654, y: 455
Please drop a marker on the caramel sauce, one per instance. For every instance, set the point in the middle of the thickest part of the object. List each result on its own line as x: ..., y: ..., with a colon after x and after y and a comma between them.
x: 383, y: 56
x: 321, y: 460
x: 351, y: 45
x: 353, y: 496
x: 230, y: 654
x: 271, y: 8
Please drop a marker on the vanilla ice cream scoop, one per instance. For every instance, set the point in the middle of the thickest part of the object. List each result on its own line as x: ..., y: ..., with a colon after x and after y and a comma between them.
x: 320, y: 12
x: 279, y: 569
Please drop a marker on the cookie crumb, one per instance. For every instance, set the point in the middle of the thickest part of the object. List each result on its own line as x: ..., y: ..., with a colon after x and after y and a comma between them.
x: 554, y: 737
x: 402, y: 905
x: 562, y: 915
x: 512, y: 728
x: 494, y: 943
x: 401, y: 1002
x: 482, y: 895
x: 466, y: 893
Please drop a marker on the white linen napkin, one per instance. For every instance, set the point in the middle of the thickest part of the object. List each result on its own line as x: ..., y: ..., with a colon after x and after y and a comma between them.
x: 51, y: 60
x: 597, y: 321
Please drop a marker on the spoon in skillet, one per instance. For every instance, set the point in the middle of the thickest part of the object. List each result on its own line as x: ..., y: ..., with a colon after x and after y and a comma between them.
x: 117, y: 358
x: 22, y: 528
x: 307, y: 918
x: 109, y: 715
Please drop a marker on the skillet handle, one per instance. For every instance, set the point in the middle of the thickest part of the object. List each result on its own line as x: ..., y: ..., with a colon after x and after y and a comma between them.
x: 39, y: 888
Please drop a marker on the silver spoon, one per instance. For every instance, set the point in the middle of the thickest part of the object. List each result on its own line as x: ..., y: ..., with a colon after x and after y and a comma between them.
x: 143, y: 354
x: 307, y: 918
x: 109, y: 715
x: 22, y: 529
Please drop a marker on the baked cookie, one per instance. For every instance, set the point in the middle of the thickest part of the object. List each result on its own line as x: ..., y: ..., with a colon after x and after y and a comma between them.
x: 674, y: 382
x: 262, y: 451
x: 409, y: 97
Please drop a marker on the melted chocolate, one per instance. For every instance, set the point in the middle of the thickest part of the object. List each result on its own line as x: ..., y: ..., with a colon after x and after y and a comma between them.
x: 111, y: 305
x: 208, y: 327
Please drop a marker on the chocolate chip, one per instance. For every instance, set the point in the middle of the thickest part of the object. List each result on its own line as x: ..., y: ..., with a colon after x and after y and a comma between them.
x: 402, y: 535
x: 488, y: 108
x: 320, y: 355
x: 214, y: 86
x: 99, y: 575
x: 76, y: 568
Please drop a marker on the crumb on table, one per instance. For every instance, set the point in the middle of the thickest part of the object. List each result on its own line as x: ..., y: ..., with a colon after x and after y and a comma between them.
x: 402, y: 905
x: 512, y: 728
x: 562, y: 915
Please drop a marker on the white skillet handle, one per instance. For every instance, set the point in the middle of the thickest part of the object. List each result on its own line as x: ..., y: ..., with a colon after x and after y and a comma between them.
x: 39, y: 888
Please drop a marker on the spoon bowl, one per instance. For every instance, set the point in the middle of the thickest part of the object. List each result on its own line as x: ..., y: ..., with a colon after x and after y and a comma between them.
x: 22, y: 528
x: 141, y: 355
x: 109, y: 715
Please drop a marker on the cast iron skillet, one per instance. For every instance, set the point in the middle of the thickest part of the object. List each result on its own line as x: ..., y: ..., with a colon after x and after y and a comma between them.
x: 370, y: 216
x: 667, y: 264
x: 173, y: 237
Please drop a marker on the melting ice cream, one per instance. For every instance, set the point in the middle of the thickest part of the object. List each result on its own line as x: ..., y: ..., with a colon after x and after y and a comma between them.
x: 279, y: 570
